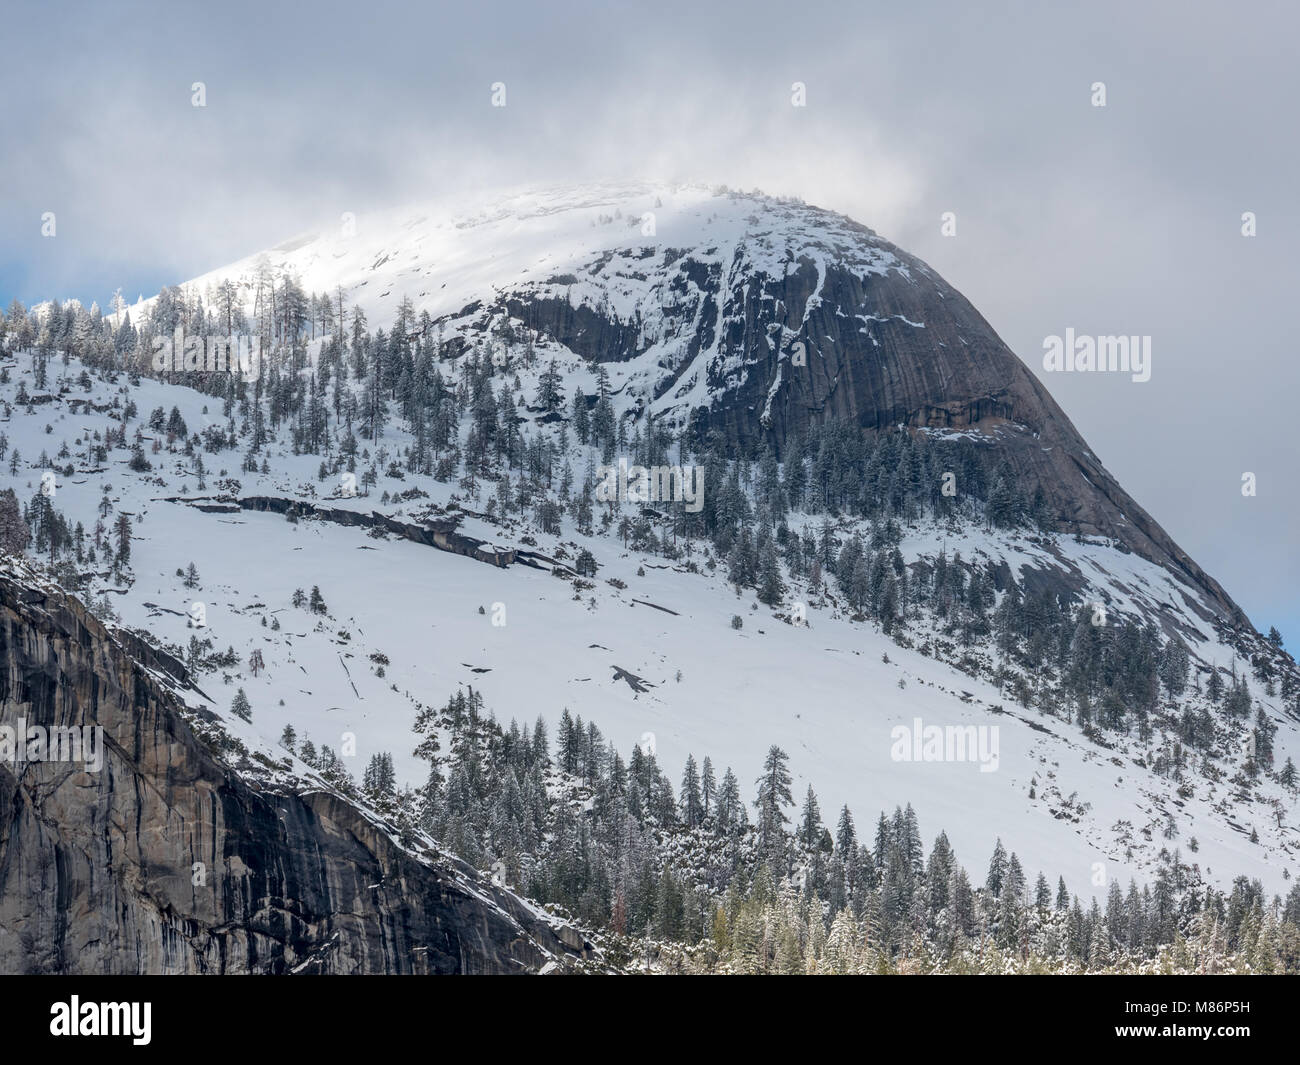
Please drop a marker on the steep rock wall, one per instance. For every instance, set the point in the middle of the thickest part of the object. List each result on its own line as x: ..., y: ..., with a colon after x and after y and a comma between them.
x: 98, y: 869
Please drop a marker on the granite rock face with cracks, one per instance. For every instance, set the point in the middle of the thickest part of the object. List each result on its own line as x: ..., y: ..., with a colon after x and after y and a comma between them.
x: 824, y: 340
x: 167, y: 861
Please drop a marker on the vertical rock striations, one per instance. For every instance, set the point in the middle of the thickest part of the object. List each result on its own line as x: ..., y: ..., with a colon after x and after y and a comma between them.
x: 167, y: 861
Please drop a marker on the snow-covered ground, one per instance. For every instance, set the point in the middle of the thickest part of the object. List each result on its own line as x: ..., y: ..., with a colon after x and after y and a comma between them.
x: 825, y: 692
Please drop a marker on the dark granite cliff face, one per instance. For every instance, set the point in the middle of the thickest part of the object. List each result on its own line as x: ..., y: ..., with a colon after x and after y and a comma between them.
x: 166, y: 861
x: 885, y: 342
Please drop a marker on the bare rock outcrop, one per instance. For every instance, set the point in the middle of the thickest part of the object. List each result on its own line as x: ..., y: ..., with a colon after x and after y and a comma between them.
x: 883, y: 342
x: 167, y: 861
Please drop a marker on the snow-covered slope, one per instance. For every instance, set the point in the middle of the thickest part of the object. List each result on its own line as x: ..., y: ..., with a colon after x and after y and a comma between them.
x: 829, y: 693
x: 451, y: 254
x: 763, y: 318
x: 753, y: 317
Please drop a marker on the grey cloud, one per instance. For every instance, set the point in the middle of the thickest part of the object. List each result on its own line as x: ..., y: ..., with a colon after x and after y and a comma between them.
x: 1123, y: 219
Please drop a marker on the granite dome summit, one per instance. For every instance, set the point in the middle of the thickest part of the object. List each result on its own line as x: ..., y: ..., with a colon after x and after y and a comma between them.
x: 752, y: 315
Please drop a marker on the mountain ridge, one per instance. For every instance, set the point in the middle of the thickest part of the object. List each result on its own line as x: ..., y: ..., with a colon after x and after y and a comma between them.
x: 696, y: 319
x: 875, y: 598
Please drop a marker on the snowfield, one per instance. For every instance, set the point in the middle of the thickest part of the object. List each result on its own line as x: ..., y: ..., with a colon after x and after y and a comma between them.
x: 830, y: 692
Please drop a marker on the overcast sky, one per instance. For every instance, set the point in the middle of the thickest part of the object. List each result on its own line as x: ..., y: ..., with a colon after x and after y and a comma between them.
x: 1122, y: 219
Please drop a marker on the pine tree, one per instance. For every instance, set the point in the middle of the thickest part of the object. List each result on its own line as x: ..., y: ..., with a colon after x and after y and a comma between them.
x: 708, y: 788
x: 773, y: 796
x: 581, y: 417
x: 730, y: 810
x: 15, y: 534
x: 770, y: 586
x: 692, y: 805
x: 1175, y: 664
x: 549, y: 396
x: 810, y: 821
x: 1042, y: 894
x: 845, y: 836
x: 997, y: 870
x: 123, y: 528
x: 379, y: 782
